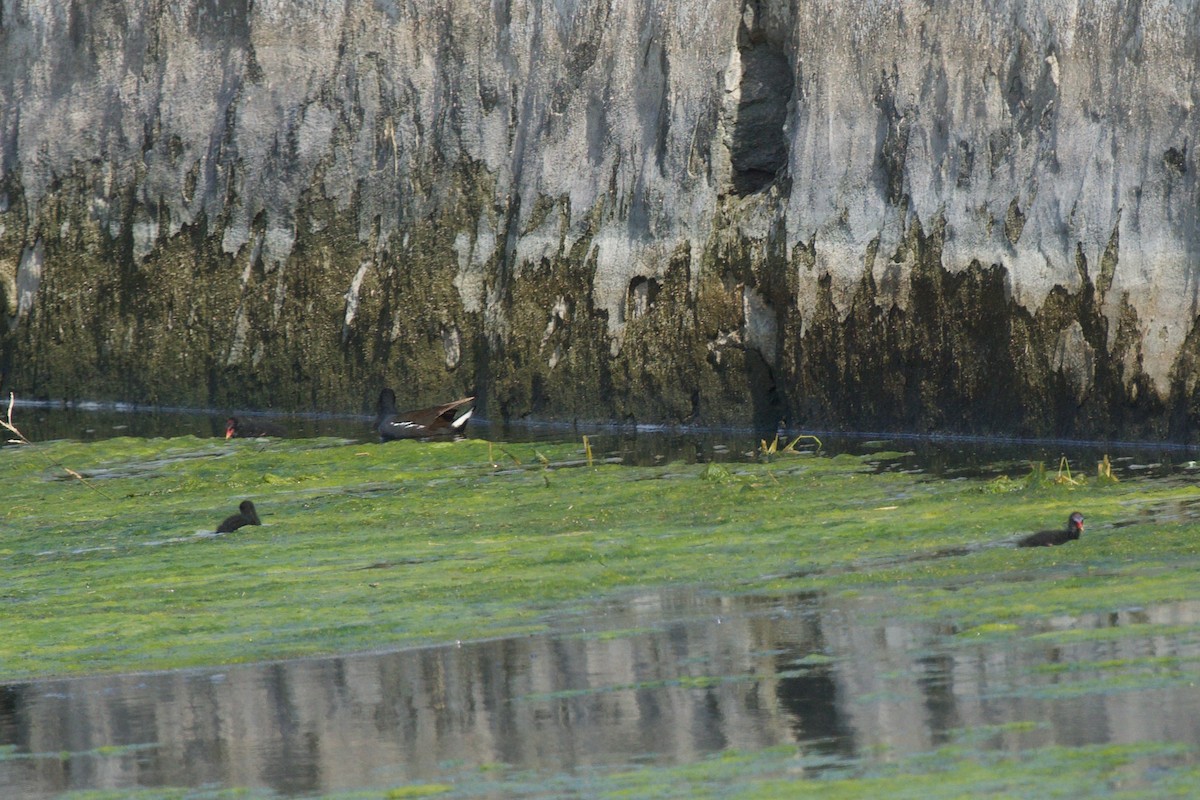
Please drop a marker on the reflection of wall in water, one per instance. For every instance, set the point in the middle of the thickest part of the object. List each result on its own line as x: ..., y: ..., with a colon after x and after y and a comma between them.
x: 902, y: 689
x: 538, y: 702
x: 884, y: 661
x: 556, y: 703
x: 811, y: 698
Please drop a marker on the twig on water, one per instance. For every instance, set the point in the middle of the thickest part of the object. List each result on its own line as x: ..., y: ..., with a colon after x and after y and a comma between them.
x: 492, y: 460
x: 11, y: 427
x: 781, y: 446
x: 1064, y: 473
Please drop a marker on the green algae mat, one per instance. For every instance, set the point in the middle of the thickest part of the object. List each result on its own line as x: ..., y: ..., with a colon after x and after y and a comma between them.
x: 109, y: 563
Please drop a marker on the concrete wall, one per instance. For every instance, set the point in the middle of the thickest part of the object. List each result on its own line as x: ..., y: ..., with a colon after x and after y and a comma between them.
x: 928, y: 215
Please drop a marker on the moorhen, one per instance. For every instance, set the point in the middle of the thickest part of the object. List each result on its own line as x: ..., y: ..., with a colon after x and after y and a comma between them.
x: 434, y: 421
x: 250, y: 429
x: 246, y: 516
x: 1051, y: 538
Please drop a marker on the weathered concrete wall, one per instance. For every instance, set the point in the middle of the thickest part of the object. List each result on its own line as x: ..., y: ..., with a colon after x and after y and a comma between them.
x: 970, y: 215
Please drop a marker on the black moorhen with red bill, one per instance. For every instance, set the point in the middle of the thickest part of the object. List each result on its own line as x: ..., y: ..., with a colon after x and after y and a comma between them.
x: 1052, y: 538
x: 250, y: 428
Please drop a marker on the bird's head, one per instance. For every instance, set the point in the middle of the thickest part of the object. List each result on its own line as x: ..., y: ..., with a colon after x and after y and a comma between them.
x: 249, y: 512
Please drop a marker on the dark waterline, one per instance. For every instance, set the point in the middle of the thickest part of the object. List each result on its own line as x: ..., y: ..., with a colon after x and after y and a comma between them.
x: 654, y: 678
x: 941, y: 455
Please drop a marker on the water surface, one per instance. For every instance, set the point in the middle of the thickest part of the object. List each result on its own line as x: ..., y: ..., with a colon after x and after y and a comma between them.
x: 659, y: 677
x: 652, y: 678
x: 939, y: 455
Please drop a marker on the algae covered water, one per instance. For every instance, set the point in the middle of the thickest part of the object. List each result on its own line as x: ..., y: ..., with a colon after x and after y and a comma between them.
x: 683, y: 677
x: 475, y: 619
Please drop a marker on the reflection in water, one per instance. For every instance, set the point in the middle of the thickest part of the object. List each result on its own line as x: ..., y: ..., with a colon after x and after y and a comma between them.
x: 645, y: 446
x: 671, y: 678
x: 907, y: 695
x: 811, y: 700
x: 946, y: 456
x: 544, y: 703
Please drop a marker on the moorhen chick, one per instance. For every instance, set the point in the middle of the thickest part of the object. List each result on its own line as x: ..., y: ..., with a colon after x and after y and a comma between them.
x: 1051, y: 538
x: 246, y: 516
x: 433, y: 421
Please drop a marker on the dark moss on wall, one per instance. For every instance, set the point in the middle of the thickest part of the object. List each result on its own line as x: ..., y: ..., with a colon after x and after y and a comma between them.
x: 963, y: 356
x: 190, y: 324
x: 1184, y: 402
x: 348, y: 312
x: 550, y: 360
x: 661, y: 368
x: 935, y: 365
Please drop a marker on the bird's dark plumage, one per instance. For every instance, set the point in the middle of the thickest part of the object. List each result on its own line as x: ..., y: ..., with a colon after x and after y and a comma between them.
x: 1061, y: 536
x: 246, y: 516
x: 433, y: 421
x: 250, y: 428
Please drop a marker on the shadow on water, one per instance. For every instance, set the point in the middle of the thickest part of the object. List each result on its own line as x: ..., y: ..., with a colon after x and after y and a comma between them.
x: 656, y: 678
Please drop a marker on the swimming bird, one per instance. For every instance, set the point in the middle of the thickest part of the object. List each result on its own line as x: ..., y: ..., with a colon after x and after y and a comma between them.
x: 1061, y: 536
x: 250, y: 429
x: 246, y: 516
x: 433, y: 421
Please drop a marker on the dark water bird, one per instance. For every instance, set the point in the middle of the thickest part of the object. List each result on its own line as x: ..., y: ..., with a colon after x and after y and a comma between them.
x: 433, y: 421
x: 1051, y: 538
x: 246, y: 516
x: 250, y: 428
